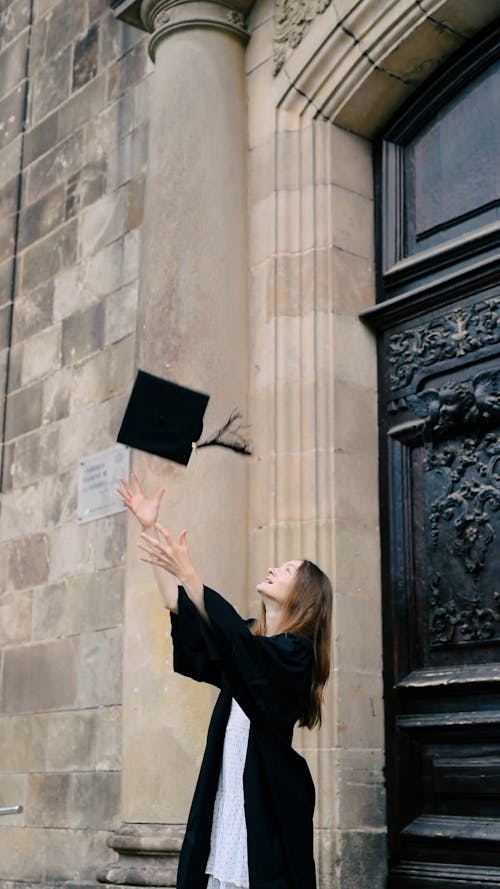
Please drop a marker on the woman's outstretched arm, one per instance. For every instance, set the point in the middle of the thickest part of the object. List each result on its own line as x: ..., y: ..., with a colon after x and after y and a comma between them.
x: 146, y: 509
x: 164, y: 552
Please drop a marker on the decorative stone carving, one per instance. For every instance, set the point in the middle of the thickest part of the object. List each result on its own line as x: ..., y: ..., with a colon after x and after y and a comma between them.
x: 160, y: 17
x: 291, y: 18
x: 235, y: 17
x: 450, y: 336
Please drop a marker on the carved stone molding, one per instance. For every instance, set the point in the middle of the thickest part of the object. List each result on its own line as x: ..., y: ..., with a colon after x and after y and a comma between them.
x: 161, y: 17
x: 291, y: 19
x: 148, y: 855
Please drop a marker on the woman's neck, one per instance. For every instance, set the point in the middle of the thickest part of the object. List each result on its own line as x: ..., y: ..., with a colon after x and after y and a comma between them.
x: 273, y: 616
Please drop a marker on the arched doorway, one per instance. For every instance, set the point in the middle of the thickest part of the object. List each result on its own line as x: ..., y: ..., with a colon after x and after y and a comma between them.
x: 439, y: 323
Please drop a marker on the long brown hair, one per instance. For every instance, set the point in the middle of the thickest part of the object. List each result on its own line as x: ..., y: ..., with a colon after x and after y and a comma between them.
x: 308, y: 611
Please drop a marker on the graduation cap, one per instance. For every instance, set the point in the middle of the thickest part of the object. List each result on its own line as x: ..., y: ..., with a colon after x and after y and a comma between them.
x: 166, y: 419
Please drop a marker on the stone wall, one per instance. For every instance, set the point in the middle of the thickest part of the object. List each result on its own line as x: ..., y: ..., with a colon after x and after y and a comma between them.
x: 74, y: 159
x: 73, y: 120
x: 315, y: 403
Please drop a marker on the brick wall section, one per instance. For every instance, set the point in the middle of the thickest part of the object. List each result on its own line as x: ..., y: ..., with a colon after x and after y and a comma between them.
x: 71, y: 187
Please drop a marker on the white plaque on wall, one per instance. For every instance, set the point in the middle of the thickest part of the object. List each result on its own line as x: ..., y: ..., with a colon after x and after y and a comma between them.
x: 98, y: 478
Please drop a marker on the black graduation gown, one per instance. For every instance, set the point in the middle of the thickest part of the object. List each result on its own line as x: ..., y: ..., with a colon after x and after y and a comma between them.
x: 270, y: 679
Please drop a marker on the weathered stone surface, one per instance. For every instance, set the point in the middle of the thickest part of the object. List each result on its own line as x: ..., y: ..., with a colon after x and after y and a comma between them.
x: 128, y: 159
x: 361, y: 859
x: 120, y: 313
x: 47, y: 258
x: 95, y: 800
x: 65, y: 23
x: 71, y: 740
x: 8, y: 198
x: 360, y: 789
x: 83, y: 333
x: 14, y: 18
x: 71, y: 551
x: 41, y: 354
x: 52, y: 83
x: 49, y: 800
x: 38, y: 39
x: 105, y: 132
x: 14, y: 377
x: 41, y: 138
x: 110, y: 540
x: 82, y: 106
x: 134, y: 202
x: 108, y: 750
x: 6, y: 282
x: 121, y: 365
x: 127, y: 71
x: 116, y: 39
x: 15, y: 365
x: 41, y: 217
x: 359, y: 646
x: 60, y: 501
x: 85, y: 187
x: 23, y: 743
x: 29, y: 561
x: 12, y: 62
x: 56, y: 396
x: 85, y: 60
x: 33, y: 312
x: 359, y: 710
x: 34, y: 855
x: 23, y: 410
x: 94, y: 601
x: 90, y: 430
x: 10, y: 160
x: 22, y: 511
x: 102, y: 222
x: 15, y: 618
x: 4, y: 566
x: 103, y: 375
x: 35, y: 456
x: 11, y: 115
x: 48, y: 612
x: 40, y: 677
x: 55, y: 166
x: 5, y: 314
x: 100, y: 670
x: 13, y: 788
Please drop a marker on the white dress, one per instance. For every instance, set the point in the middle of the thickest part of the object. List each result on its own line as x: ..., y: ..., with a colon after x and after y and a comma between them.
x: 227, y: 863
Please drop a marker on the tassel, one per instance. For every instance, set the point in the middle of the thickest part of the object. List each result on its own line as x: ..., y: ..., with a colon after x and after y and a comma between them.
x: 229, y: 436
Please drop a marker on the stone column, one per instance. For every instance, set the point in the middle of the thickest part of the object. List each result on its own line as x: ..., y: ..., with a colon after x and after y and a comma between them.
x: 191, y: 328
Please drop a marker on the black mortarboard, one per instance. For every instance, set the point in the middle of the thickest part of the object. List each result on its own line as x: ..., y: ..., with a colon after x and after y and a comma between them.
x: 166, y: 419
x: 163, y: 418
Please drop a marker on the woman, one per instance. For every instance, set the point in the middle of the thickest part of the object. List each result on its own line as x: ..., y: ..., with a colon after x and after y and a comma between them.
x: 250, y: 823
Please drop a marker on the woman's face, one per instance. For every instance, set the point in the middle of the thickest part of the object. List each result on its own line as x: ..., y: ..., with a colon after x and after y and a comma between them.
x: 279, y: 581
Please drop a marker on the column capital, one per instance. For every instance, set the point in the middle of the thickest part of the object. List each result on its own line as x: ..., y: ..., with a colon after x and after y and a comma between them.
x: 161, y: 17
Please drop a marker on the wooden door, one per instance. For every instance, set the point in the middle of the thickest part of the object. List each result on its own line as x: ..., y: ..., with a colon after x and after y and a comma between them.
x: 438, y: 318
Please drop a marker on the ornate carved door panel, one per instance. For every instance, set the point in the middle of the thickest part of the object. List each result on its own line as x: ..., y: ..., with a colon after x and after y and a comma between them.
x: 439, y: 325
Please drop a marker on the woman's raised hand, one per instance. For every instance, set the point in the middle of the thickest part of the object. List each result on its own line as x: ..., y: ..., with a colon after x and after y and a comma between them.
x: 167, y: 553
x: 144, y: 508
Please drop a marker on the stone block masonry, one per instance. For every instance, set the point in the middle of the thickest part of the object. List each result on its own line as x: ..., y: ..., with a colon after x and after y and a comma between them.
x: 73, y: 111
